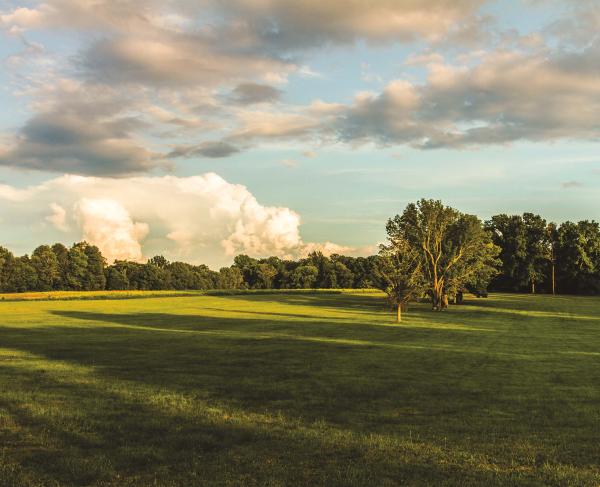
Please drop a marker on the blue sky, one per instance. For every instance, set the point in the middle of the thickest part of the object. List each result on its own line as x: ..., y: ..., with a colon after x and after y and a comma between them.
x: 318, y: 120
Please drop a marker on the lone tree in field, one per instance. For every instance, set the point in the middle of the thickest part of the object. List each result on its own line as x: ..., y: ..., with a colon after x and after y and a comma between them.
x: 455, y: 251
x: 400, y: 274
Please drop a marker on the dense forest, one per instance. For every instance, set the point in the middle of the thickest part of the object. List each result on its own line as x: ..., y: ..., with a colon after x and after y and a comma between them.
x: 533, y: 256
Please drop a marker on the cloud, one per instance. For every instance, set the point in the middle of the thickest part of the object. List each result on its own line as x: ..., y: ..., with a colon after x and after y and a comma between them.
x: 69, y: 143
x: 310, y: 23
x: 174, y: 59
x: 425, y: 58
x: 284, y: 23
x: 291, y: 163
x: 206, y: 219
x: 85, y: 129
x: 268, y: 125
x: 580, y: 25
x: 107, y: 224
x: 211, y: 149
x: 330, y: 248
x: 250, y: 93
x: 159, y: 81
x: 571, y: 185
x: 22, y: 18
x: 508, y: 96
x: 58, y: 217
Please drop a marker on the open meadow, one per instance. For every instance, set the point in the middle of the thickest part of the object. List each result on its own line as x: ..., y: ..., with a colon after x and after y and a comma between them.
x: 323, y: 388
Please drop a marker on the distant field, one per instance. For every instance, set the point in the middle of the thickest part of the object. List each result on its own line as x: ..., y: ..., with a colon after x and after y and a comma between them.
x: 88, y: 295
x: 277, y: 389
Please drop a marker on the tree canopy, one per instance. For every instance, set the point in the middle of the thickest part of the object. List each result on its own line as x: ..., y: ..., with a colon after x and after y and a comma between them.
x: 431, y: 249
x: 452, y: 250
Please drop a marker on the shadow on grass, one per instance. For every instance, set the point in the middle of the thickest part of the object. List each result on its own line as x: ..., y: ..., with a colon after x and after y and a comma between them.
x: 90, y: 432
x: 262, y: 401
x: 366, y: 303
x: 314, y: 370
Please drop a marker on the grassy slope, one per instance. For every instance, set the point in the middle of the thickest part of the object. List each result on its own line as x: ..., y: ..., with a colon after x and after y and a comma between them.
x: 298, y: 389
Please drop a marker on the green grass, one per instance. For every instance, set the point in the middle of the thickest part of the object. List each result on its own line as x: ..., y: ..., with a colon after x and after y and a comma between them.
x: 299, y: 389
x: 88, y: 295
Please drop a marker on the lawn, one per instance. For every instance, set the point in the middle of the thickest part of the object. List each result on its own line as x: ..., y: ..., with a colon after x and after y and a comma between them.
x: 299, y: 389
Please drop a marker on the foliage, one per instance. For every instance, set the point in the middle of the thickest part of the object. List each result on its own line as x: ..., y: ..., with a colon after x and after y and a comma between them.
x: 534, y: 254
x: 458, y: 255
x: 401, y: 273
x: 455, y: 250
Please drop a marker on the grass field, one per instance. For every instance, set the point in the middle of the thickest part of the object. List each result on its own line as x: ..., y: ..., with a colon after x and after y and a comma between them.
x: 299, y: 389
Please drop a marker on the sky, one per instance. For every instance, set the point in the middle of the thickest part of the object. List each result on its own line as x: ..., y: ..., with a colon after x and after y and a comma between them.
x: 202, y: 129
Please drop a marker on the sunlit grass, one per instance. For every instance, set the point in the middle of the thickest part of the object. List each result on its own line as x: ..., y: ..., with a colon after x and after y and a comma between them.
x: 299, y: 389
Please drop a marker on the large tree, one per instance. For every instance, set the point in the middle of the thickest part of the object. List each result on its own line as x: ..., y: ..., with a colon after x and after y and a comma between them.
x: 455, y: 249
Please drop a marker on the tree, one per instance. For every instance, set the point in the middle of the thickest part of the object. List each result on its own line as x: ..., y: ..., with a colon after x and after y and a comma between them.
x: 304, y: 277
x: 155, y: 278
x: 508, y: 233
x: 344, y: 276
x: 551, y: 248
x: 524, y: 244
x: 578, y: 257
x: 76, y: 268
x: 182, y: 275
x: 230, y: 278
x: 116, y: 278
x: 6, y: 258
x: 401, y: 274
x: 454, y: 247
x: 536, y: 238
x: 159, y: 261
x: 264, y: 275
x: 21, y: 275
x: 86, y: 267
x: 46, y: 266
x: 326, y: 277
x: 478, y: 261
x: 62, y: 257
x: 247, y: 265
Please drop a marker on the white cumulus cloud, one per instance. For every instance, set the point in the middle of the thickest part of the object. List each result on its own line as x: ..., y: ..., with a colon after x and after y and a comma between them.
x: 107, y: 224
x: 201, y: 219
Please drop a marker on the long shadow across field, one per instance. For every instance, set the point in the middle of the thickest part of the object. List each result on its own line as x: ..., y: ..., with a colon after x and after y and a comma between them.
x: 107, y: 435
x: 330, y: 368
x: 462, y: 385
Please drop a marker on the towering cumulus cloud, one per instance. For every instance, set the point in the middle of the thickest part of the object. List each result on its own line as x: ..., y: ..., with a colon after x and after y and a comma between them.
x: 106, y: 223
x: 198, y: 219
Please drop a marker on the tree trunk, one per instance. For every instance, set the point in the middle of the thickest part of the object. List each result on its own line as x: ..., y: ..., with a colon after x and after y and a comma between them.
x: 399, y: 313
x: 532, y: 287
x: 459, y: 297
x: 553, y: 280
x: 437, y: 297
x: 444, y: 301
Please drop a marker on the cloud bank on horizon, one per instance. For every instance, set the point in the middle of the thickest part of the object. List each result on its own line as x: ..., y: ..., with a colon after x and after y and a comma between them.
x: 197, y: 219
x: 135, y: 89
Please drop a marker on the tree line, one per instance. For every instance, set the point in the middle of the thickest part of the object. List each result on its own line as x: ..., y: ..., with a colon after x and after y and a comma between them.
x: 432, y: 250
x: 83, y: 268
